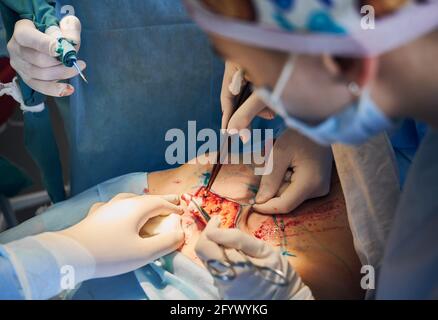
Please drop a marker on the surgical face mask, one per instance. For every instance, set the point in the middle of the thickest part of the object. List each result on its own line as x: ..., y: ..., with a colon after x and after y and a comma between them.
x: 353, y: 125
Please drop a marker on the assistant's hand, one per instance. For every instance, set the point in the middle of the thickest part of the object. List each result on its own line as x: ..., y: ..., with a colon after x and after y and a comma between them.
x: 234, y: 79
x: 33, y: 55
x: 301, y: 171
x: 249, y: 284
x: 110, y: 233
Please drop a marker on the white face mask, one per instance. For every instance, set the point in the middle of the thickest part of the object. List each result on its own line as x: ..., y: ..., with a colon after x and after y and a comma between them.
x: 353, y: 125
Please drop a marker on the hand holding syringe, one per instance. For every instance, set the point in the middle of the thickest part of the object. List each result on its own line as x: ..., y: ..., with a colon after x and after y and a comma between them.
x: 44, y: 59
x: 68, y: 55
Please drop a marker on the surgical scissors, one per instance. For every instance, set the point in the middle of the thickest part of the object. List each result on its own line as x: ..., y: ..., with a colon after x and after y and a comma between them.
x: 226, y: 270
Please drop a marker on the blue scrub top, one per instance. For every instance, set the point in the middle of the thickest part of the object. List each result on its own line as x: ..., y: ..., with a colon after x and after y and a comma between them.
x: 150, y: 69
x: 3, y: 51
x: 405, y: 142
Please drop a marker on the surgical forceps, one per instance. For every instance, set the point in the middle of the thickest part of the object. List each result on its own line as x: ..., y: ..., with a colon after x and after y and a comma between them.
x: 201, y: 210
x: 226, y: 270
x: 223, y: 151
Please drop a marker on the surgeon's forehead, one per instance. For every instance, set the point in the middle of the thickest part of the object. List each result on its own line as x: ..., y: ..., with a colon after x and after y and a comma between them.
x: 225, y: 48
x: 230, y: 49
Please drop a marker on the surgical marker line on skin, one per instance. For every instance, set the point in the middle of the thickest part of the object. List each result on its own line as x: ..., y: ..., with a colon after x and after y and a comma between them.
x: 283, y: 239
x: 206, y: 178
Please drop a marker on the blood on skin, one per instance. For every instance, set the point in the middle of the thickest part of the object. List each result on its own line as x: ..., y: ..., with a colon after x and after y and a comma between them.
x: 267, y: 230
x: 310, y: 218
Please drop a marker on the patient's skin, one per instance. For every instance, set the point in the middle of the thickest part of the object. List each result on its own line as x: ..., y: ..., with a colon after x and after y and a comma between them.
x: 316, y: 237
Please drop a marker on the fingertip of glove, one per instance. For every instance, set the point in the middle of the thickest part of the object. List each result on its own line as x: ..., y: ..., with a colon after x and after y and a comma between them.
x: 261, y: 198
x: 261, y: 209
x: 82, y: 65
x: 67, y: 90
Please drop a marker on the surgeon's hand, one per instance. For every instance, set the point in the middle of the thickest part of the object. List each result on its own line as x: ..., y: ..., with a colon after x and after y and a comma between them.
x: 249, y: 284
x: 301, y: 171
x: 233, y: 82
x: 33, y: 56
x: 110, y: 233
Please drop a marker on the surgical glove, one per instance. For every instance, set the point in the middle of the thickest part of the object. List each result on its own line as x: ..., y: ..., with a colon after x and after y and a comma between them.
x: 249, y: 284
x: 234, y: 79
x: 301, y: 171
x: 33, y: 55
x: 107, y: 241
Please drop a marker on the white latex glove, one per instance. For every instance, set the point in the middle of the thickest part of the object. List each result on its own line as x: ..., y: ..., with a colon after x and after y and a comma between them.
x: 33, y: 56
x: 107, y: 241
x: 234, y: 79
x: 285, y: 189
x: 249, y: 284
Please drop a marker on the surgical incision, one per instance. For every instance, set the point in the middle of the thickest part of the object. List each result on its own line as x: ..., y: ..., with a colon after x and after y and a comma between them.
x: 315, y: 237
x: 193, y: 222
x: 214, y: 205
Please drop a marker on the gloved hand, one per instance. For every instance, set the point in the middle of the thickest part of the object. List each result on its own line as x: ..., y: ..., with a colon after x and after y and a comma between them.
x: 33, y: 56
x: 234, y: 79
x: 249, y: 284
x: 107, y: 241
x: 281, y: 191
x: 301, y: 171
